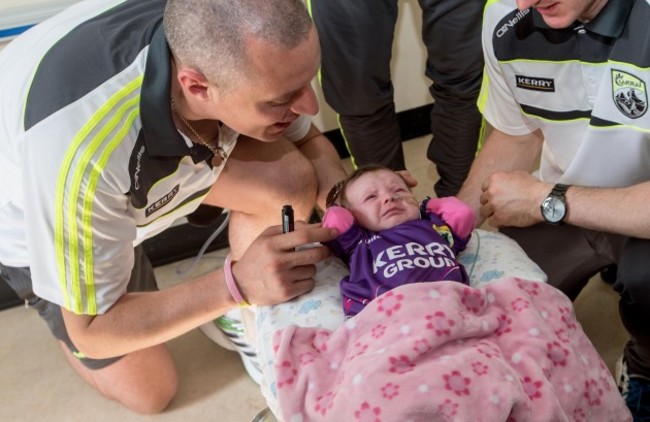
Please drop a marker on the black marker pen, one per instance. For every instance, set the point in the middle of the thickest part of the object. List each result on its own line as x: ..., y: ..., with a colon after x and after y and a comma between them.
x: 287, y: 219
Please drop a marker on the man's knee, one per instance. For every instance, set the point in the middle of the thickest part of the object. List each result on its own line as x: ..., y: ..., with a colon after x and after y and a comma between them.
x: 299, y: 186
x: 634, y: 282
x: 633, y: 273
x: 154, y: 401
x: 145, y: 381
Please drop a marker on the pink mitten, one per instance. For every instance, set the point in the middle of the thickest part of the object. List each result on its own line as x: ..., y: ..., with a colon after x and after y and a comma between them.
x: 338, y: 218
x: 457, y: 214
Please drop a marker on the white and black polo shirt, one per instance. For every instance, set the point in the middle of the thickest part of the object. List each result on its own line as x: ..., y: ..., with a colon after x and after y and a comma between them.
x: 91, y: 163
x: 585, y: 87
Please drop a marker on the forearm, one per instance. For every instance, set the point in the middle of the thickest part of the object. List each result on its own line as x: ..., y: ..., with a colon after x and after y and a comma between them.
x: 621, y: 210
x: 272, y: 270
x: 501, y: 152
x: 326, y: 161
x: 140, y: 320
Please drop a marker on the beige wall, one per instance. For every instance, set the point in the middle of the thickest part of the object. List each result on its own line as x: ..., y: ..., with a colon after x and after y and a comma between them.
x: 411, y: 86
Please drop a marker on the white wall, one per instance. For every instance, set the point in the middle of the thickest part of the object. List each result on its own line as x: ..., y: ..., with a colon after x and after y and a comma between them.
x: 411, y: 86
x: 18, y: 13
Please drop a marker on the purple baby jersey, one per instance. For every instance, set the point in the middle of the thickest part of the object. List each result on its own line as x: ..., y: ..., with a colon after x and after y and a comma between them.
x: 412, y: 252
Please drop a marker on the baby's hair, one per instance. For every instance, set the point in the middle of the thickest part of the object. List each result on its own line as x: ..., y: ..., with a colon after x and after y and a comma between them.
x: 337, y: 193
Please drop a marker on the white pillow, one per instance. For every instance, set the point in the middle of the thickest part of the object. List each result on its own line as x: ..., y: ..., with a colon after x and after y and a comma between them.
x: 489, y: 256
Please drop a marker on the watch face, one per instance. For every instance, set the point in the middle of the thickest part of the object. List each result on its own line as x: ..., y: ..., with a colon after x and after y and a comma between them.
x: 553, y: 209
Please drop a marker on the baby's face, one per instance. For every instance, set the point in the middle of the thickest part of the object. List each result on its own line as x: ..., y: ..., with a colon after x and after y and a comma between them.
x: 380, y: 200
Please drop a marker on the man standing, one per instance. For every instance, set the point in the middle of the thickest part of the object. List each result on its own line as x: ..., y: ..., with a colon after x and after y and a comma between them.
x: 568, y: 79
x: 357, y: 42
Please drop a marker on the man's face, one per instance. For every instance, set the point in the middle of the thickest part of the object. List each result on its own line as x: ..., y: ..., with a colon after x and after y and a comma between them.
x: 264, y: 105
x: 380, y: 199
x: 562, y: 13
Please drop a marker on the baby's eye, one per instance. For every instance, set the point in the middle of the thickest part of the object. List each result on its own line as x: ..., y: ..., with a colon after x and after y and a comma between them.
x: 369, y: 197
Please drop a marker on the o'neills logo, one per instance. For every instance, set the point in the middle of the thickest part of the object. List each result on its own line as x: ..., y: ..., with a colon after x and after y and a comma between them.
x: 136, y: 175
x: 501, y: 31
x: 535, y: 84
x: 629, y: 94
x: 161, y: 202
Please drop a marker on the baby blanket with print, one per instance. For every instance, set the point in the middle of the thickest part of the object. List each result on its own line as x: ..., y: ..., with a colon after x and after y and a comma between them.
x: 508, y: 351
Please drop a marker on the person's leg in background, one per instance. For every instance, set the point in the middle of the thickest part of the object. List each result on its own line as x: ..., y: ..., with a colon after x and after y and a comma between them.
x: 633, y: 284
x: 451, y: 30
x: 356, y: 39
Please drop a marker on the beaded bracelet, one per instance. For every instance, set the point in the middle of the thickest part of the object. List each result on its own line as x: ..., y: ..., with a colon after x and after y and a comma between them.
x: 232, y: 284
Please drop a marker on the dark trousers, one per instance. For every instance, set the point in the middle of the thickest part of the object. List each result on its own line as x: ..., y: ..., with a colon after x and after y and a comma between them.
x: 570, y: 256
x: 20, y: 280
x: 356, y: 39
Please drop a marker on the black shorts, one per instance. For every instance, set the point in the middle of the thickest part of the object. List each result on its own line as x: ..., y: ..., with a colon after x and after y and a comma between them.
x: 19, y: 279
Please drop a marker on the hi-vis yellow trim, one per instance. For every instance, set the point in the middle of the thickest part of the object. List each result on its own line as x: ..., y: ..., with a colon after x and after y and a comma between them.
x: 86, y: 216
x: 78, y: 355
x: 353, y: 161
x: 338, y: 116
x: 66, y: 236
x: 489, y: 2
x: 481, y: 136
x: 619, y: 126
x: 483, y: 95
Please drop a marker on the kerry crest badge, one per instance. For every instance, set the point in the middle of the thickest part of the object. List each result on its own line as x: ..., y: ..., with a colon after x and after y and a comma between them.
x: 629, y: 94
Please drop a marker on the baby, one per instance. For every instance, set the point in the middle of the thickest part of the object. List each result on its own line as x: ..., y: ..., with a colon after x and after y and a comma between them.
x: 388, y: 239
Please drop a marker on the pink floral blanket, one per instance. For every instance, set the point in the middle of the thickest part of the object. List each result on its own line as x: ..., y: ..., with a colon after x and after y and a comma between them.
x: 508, y: 351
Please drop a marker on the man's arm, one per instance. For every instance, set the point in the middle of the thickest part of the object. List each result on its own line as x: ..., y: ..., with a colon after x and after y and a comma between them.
x: 618, y: 210
x: 320, y: 151
x: 501, y: 152
x: 140, y: 320
x: 501, y: 187
x: 271, y: 271
x: 513, y: 199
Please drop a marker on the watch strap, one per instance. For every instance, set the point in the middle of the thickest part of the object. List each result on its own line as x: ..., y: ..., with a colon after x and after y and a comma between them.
x: 560, y: 190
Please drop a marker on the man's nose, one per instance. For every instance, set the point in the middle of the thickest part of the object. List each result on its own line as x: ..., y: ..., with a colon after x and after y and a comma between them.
x: 306, y: 103
x: 525, y: 4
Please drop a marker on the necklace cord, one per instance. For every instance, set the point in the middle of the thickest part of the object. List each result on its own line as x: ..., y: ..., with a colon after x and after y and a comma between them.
x: 217, y: 150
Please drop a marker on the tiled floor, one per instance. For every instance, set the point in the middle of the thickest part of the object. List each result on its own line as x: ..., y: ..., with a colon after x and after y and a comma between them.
x: 36, y: 383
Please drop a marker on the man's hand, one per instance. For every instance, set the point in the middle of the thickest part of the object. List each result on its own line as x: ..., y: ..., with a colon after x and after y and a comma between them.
x: 411, y: 181
x: 277, y: 267
x: 513, y: 199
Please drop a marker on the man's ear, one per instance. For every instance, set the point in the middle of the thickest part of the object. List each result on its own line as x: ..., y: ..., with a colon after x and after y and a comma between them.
x: 194, y: 84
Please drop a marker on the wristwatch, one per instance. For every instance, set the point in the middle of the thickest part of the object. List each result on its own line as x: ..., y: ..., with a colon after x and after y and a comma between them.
x: 554, y: 206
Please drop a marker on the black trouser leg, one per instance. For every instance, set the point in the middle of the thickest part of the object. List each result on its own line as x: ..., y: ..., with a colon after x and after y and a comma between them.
x: 451, y: 30
x: 633, y: 284
x: 356, y: 45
